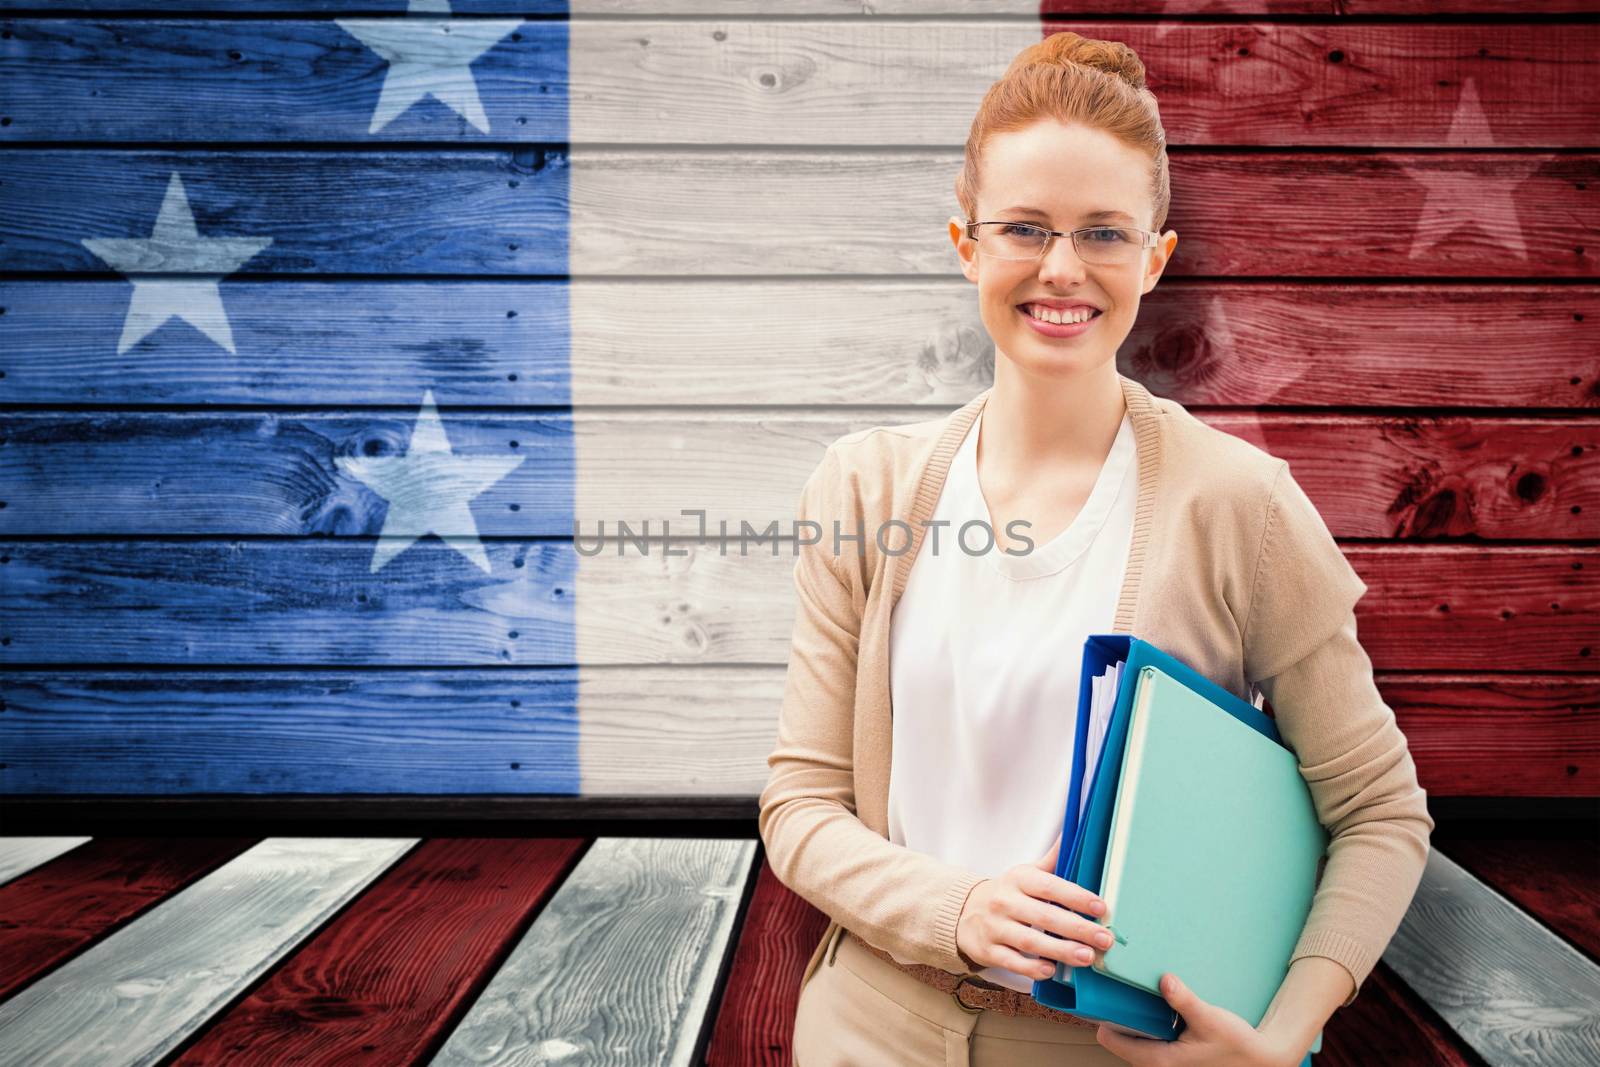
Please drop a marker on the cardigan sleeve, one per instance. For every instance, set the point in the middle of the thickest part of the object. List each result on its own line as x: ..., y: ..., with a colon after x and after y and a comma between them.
x: 892, y: 896
x: 1301, y: 651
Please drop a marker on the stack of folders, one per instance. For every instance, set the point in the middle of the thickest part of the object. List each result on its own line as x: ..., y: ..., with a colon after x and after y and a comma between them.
x: 1190, y: 818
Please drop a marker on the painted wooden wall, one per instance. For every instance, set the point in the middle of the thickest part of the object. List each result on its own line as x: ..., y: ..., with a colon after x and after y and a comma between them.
x: 323, y: 324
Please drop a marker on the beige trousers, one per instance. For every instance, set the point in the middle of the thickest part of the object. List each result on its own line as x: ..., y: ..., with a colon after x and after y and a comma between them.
x: 856, y: 1010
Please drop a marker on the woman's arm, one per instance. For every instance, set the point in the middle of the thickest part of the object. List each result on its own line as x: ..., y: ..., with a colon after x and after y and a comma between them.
x: 1302, y: 652
x: 1313, y: 990
x: 896, y: 898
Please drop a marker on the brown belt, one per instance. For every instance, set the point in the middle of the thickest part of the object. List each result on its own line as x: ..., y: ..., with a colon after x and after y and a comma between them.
x: 976, y: 994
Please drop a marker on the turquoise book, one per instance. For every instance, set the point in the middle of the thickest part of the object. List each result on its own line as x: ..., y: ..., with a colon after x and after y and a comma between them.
x: 1213, y: 853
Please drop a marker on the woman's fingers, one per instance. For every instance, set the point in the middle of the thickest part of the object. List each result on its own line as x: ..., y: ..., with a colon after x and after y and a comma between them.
x: 1012, y: 960
x: 1072, y: 952
x: 1051, y: 887
x: 1068, y: 924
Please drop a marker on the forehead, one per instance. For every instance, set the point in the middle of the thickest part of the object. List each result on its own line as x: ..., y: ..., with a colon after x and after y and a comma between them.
x: 1067, y: 172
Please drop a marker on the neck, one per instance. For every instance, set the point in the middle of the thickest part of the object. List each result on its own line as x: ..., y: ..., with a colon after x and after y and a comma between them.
x: 1064, y: 421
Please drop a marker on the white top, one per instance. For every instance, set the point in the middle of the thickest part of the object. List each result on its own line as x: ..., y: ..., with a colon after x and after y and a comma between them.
x: 985, y: 651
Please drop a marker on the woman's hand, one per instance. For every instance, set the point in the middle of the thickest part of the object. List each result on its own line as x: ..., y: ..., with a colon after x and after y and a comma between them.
x: 1212, y: 1037
x: 997, y: 924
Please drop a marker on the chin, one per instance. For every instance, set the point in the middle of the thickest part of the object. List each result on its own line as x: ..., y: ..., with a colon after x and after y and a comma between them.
x: 1063, y: 363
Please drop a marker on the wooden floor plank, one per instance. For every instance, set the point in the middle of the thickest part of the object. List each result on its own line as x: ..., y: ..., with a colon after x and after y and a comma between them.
x: 21, y: 854
x: 621, y: 967
x: 137, y: 994
x: 1553, y: 877
x: 397, y: 968
x: 755, y: 1017
x: 1511, y: 989
x: 1390, y: 1025
x: 57, y: 909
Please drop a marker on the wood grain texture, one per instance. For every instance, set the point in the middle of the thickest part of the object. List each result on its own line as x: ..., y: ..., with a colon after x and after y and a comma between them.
x: 1555, y: 879
x: 388, y: 978
x: 1444, y: 607
x: 551, y: 343
x: 795, y: 82
x: 56, y: 910
x: 1518, y: 734
x: 640, y: 730
x: 137, y: 994
x: 290, y: 472
x: 620, y: 968
x: 753, y: 212
x: 1026, y: 9
x: 21, y: 854
x: 1508, y: 987
x: 1395, y: 214
x: 755, y: 1016
x: 1258, y: 83
x: 1389, y: 1024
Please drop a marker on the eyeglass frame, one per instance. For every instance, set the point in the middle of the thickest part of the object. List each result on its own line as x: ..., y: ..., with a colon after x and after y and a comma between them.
x: 1149, y: 237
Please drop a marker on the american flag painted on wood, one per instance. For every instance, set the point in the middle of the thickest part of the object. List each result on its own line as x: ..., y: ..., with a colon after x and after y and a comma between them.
x: 491, y: 951
x: 323, y: 333
x: 322, y: 325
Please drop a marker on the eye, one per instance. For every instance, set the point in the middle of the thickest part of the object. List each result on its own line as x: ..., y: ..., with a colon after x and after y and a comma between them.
x: 1020, y: 229
x: 1106, y: 235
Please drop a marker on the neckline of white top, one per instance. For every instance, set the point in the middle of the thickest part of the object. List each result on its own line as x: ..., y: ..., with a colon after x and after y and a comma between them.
x: 1064, y: 548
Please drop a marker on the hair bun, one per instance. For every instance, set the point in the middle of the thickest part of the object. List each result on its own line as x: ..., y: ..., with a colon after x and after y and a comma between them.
x: 1111, y: 57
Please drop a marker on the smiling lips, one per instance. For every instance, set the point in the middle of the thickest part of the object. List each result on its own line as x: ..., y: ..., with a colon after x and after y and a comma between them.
x: 1068, y: 312
x: 1068, y: 328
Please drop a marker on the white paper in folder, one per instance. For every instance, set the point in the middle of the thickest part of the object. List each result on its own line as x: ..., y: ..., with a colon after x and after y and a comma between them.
x: 1102, y: 699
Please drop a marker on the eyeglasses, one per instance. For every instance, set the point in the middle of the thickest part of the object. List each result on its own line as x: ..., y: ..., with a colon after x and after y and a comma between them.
x: 1104, y: 246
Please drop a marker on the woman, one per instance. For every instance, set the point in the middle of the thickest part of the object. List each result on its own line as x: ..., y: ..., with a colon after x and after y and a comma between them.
x: 926, y: 727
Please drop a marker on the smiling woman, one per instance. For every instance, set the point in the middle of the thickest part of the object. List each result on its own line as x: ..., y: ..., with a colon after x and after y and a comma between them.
x: 917, y: 785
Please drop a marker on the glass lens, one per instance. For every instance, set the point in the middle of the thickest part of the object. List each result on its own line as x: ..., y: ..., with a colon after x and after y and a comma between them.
x: 1103, y: 245
x: 1010, y: 240
x: 1108, y: 245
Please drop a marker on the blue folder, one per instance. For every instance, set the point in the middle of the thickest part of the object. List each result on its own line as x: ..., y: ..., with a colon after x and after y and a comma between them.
x: 1084, y: 991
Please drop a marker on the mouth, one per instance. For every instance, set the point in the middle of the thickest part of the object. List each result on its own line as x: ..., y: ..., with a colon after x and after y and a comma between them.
x: 1064, y: 329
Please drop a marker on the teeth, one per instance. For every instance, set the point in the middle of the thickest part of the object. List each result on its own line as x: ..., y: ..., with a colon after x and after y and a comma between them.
x: 1059, y: 317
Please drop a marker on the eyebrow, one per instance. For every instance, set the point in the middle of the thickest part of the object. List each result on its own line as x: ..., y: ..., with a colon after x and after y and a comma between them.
x: 1102, y: 214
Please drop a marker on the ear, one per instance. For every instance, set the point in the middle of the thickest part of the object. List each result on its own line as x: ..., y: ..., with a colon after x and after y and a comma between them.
x: 1159, y: 258
x: 966, y: 247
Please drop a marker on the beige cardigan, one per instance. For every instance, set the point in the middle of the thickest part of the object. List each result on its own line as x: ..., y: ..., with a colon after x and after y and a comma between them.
x: 1231, y: 569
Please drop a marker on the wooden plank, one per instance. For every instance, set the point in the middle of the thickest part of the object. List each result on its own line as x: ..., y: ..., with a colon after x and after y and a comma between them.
x: 755, y: 1017
x: 669, y: 215
x: 21, y: 854
x: 306, y: 472
x: 1552, y: 875
x: 792, y: 82
x: 189, y: 603
x: 1396, y: 214
x: 204, y: 80
x: 639, y: 730
x: 1507, y: 986
x: 54, y: 911
x: 517, y: 199
x: 395, y: 970
x: 1028, y: 9
x: 621, y: 967
x: 552, y: 343
x: 136, y: 995
x: 1499, y: 735
x: 1257, y: 83
x: 1391, y: 1025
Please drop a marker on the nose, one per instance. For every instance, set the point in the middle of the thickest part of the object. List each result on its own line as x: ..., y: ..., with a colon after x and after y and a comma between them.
x: 1060, y: 265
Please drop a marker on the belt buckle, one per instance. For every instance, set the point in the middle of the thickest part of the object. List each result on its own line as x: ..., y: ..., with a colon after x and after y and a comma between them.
x: 955, y: 994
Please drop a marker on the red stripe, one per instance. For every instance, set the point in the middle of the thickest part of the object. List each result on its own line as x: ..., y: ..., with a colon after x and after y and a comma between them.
x: 386, y: 980
x: 60, y: 908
